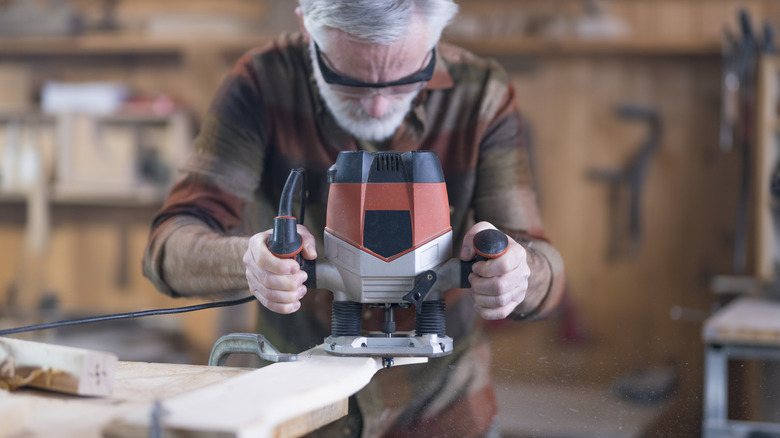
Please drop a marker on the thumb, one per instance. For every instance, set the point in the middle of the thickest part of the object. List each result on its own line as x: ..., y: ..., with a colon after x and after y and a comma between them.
x: 467, y: 250
x: 309, y: 243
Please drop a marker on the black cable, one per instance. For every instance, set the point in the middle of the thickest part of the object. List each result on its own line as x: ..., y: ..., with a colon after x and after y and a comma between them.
x: 142, y: 313
x: 296, y: 179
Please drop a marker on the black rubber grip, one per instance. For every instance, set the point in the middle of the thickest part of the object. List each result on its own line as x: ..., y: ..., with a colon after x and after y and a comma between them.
x: 285, y: 242
x: 491, y: 243
x: 488, y: 244
x: 310, y: 267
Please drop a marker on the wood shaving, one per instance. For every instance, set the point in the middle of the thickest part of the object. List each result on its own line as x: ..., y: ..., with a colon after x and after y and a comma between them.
x: 11, y: 381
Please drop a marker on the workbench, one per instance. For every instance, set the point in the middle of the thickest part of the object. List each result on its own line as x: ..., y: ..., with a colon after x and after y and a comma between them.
x: 747, y: 328
x: 33, y: 412
x: 282, y: 399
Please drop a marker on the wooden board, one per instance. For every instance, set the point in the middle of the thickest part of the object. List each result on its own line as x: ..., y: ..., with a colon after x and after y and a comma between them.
x: 33, y: 413
x: 753, y: 321
x: 57, y: 368
x: 766, y: 159
x: 283, y: 399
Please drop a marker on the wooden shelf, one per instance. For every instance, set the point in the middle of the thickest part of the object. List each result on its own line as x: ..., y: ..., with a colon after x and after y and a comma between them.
x: 144, y: 196
x: 505, y: 46
x: 103, y: 44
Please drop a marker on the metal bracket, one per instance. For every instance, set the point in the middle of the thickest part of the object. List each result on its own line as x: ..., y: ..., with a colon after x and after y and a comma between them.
x: 420, y: 290
x: 247, y: 343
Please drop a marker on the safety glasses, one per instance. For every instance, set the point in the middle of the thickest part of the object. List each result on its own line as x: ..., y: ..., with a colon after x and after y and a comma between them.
x: 353, y: 88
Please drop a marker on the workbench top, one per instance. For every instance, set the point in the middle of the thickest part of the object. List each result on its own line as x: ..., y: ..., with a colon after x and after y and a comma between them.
x: 746, y: 320
x: 37, y: 413
x: 278, y: 400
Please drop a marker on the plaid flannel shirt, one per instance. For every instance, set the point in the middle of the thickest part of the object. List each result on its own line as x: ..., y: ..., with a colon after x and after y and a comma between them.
x: 268, y: 118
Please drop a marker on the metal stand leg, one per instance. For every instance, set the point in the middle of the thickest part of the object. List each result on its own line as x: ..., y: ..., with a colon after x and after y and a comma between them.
x: 716, y: 421
x: 715, y: 389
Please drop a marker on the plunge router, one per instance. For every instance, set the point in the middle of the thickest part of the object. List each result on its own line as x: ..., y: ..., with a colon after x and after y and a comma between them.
x: 387, y: 244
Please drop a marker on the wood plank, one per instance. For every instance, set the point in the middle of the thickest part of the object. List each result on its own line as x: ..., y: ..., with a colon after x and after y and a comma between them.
x: 308, y: 422
x: 32, y: 413
x: 747, y: 320
x: 766, y: 159
x: 56, y: 368
x: 283, y: 399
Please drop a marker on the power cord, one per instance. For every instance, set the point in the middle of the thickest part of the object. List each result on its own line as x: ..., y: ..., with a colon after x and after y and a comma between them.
x: 128, y: 315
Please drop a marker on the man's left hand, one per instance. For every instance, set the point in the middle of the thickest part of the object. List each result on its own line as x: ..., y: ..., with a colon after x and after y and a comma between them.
x: 500, y: 284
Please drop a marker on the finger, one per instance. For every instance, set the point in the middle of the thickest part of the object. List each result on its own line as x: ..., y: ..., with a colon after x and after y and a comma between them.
x: 252, y: 251
x: 495, y: 314
x: 485, y: 285
x: 261, y: 256
x: 277, y: 307
x: 467, y: 250
x: 309, y: 243
x: 514, y: 258
x: 280, y: 301
x: 258, y: 277
x: 490, y: 301
x: 283, y: 296
x: 517, y: 278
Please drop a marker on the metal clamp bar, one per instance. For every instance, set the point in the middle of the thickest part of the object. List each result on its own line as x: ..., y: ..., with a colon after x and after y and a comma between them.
x: 248, y: 343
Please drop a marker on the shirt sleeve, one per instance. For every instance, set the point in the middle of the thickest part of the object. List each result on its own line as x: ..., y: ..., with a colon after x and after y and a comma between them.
x: 222, y: 172
x: 505, y: 196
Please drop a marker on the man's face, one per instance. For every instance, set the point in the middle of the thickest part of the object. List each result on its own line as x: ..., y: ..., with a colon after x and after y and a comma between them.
x: 372, y: 113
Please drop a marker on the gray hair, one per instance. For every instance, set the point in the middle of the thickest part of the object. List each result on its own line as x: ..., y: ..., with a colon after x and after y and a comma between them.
x: 375, y: 21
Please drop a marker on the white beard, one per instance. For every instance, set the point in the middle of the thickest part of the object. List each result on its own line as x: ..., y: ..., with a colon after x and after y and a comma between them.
x: 351, y: 115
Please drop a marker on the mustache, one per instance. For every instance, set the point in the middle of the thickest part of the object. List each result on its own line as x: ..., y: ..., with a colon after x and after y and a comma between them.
x: 353, y: 117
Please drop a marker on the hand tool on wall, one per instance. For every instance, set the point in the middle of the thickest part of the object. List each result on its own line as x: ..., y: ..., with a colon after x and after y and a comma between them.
x: 729, y: 107
x: 388, y: 245
x: 630, y: 178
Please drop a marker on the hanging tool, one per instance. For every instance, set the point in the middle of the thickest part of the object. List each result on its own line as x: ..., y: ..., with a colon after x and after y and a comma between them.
x: 388, y: 245
x: 630, y: 178
x: 729, y: 109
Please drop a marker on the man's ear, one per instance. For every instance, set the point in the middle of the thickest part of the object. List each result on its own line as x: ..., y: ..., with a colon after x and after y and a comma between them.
x: 299, y: 14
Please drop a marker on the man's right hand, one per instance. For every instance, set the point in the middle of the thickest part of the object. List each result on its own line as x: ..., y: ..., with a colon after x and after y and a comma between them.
x: 277, y: 283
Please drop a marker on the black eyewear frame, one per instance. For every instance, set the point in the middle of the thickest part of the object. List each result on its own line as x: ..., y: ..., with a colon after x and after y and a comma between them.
x: 331, y: 77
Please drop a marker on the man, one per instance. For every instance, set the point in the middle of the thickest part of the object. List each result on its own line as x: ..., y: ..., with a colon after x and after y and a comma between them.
x: 367, y: 75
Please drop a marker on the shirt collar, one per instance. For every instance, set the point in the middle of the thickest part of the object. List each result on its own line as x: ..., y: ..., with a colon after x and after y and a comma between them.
x: 441, y: 74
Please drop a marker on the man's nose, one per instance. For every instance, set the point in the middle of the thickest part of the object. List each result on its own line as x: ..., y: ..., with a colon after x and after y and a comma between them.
x: 376, y: 105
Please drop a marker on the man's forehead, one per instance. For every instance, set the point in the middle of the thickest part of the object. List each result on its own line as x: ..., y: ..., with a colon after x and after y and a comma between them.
x: 409, y: 48
x: 415, y: 27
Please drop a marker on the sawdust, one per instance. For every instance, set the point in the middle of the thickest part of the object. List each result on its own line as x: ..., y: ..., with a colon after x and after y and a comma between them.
x: 12, y: 379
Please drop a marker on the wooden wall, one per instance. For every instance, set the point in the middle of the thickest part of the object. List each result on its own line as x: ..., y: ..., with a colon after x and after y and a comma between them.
x: 620, y: 307
x: 618, y: 310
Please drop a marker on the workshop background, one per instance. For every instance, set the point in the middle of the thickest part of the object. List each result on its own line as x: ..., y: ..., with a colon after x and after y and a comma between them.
x: 647, y: 156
